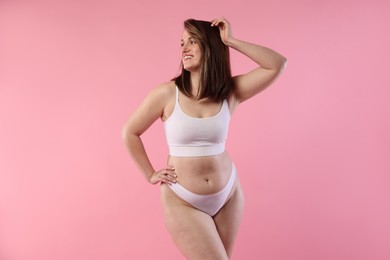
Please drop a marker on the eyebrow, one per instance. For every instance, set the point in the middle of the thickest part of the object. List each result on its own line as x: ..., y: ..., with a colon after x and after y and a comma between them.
x: 189, y: 38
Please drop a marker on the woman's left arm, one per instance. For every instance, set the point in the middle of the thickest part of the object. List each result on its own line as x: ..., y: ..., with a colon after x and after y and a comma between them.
x: 271, y: 63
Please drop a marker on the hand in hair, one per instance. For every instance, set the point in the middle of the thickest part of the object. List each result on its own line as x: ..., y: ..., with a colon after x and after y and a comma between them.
x: 224, y: 29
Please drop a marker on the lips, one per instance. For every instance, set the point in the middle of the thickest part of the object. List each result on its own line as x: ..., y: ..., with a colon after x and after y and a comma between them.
x: 187, y: 57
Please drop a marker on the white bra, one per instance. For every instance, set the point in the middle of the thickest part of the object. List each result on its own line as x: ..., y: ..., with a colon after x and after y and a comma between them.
x: 189, y: 136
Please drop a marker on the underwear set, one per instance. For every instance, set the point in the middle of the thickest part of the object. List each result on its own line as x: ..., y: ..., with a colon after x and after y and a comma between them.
x: 193, y: 137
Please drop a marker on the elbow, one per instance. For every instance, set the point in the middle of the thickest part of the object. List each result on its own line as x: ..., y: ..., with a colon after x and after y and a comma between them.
x: 126, y: 134
x: 279, y: 65
x: 283, y: 62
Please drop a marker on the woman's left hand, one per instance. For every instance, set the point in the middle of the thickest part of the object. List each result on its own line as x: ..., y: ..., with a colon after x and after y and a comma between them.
x: 224, y: 29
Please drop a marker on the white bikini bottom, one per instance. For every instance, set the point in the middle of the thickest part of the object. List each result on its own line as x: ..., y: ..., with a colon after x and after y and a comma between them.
x: 210, y: 203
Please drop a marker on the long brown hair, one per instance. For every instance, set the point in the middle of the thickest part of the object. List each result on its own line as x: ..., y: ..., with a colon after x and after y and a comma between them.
x: 216, y: 81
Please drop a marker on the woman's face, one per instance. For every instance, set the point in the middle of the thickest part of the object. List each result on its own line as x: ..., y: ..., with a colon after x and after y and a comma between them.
x: 190, y: 53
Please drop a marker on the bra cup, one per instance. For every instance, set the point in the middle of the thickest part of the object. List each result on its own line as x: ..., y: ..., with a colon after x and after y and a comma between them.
x: 191, y: 136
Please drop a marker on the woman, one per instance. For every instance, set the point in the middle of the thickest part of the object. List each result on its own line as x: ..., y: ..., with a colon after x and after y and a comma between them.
x: 200, y: 191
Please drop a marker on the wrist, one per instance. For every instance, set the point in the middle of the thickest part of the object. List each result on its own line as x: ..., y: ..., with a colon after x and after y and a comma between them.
x: 230, y: 42
x: 149, y: 178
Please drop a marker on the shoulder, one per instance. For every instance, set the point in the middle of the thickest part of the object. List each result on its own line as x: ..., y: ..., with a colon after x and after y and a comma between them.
x: 161, y: 94
x: 164, y: 96
x: 164, y: 91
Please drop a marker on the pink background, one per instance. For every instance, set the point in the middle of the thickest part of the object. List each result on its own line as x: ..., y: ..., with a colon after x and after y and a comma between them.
x: 312, y: 151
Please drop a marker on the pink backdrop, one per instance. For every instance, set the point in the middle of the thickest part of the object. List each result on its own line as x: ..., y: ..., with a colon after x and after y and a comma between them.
x: 312, y: 151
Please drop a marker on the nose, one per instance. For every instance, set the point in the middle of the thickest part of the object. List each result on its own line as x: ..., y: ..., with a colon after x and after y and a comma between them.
x: 184, y: 47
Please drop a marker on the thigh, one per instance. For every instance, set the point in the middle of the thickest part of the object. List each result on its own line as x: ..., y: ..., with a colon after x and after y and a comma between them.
x: 193, y: 231
x: 228, y: 219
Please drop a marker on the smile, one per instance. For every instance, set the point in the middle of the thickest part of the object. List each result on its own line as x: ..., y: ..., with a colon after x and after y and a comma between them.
x: 187, y: 57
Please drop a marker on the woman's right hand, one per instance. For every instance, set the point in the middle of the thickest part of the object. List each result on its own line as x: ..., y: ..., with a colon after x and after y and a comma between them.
x: 166, y: 175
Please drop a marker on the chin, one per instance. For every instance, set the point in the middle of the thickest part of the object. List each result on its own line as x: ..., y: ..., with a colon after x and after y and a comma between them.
x: 191, y: 68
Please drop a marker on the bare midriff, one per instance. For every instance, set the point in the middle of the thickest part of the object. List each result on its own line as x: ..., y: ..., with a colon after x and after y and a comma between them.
x: 204, y: 174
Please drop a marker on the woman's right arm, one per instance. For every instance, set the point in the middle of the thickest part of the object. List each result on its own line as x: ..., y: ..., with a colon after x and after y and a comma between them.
x: 143, y: 117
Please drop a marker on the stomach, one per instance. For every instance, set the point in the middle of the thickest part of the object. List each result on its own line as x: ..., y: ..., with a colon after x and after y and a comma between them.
x: 204, y: 174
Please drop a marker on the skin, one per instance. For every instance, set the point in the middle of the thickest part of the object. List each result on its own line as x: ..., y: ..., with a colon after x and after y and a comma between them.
x: 191, y: 53
x: 196, y: 234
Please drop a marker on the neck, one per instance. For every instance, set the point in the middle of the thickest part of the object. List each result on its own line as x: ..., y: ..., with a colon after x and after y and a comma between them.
x: 195, y: 78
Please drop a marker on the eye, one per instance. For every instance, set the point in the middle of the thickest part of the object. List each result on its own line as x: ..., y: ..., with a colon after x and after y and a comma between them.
x: 193, y: 42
